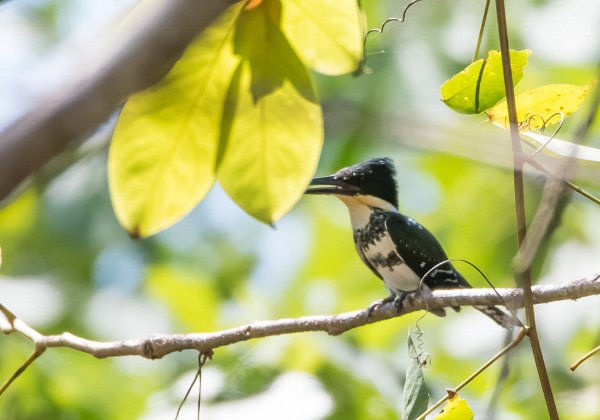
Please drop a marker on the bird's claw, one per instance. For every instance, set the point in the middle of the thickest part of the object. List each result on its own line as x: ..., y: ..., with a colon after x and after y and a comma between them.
x: 378, y: 303
x: 398, y: 301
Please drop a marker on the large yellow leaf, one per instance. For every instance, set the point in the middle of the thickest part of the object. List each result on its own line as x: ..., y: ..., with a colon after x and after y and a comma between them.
x: 163, y: 154
x: 325, y: 33
x: 481, y: 84
x: 541, y: 106
x: 272, y: 128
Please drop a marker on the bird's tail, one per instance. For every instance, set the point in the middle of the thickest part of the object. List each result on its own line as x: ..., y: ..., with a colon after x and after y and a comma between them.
x: 498, y: 316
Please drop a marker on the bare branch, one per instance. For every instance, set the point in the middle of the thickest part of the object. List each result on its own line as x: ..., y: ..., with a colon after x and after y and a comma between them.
x: 158, y: 346
x: 140, y: 60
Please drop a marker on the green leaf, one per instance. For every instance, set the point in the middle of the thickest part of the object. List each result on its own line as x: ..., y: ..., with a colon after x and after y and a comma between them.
x: 272, y: 124
x: 455, y: 409
x: 542, y: 106
x: 481, y: 85
x: 163, y: 153
x: 415, y: 393
x: 326, y: 34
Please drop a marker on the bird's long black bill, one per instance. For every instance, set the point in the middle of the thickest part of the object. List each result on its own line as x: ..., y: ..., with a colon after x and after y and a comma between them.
x: 330, y: 185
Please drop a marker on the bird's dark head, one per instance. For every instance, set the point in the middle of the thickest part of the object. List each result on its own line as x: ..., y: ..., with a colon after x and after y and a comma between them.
x: 374, y: 177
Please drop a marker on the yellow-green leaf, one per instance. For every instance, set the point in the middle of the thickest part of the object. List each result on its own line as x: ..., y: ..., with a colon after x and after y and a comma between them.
x: 455, y: 409
x: 541, y: 106
x: 272, y: 128
x: 481, y: 85
x: 163, y: 154
x: 326, y: 34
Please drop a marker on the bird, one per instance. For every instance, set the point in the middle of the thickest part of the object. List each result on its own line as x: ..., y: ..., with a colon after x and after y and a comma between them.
x: 397, y: 249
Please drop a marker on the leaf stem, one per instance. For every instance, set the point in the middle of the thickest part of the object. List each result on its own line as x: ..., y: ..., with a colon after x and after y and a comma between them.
x: 523, y: 278
x: 481, y: 29
x: 478, y: 86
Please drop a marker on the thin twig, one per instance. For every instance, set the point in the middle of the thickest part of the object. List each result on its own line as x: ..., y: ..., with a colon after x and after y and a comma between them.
x: 567, y: 183
x: 524, y: 277
x: 522, y: 333
x: 37, y: 353
x: 582, y: 192
x: 490, y: 412
x: 584, y: 358
x: 202, y: 358
x: 10, y: 317
x: 481, y: 29
x: 187, y: 393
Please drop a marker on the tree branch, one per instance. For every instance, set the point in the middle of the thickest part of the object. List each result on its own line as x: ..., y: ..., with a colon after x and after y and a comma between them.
x: 523, y: 277
x: 159, y: 346
x: 141, y: 58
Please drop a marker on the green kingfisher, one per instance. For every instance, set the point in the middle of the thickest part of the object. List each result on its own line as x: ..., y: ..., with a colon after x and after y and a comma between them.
x: 397, y: 249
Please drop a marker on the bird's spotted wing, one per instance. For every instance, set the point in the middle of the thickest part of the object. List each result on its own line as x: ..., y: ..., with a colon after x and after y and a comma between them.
x: 421, y: 252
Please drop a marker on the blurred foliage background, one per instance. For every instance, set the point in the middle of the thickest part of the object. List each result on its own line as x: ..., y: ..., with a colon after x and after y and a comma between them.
x: 68, y: 266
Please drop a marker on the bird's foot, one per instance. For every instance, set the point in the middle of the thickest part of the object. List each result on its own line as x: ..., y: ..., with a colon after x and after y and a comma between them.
x: 378, y: 303
x: 399, y: 300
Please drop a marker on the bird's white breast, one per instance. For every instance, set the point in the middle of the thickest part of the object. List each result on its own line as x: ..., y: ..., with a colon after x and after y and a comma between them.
x: 382, y: 253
